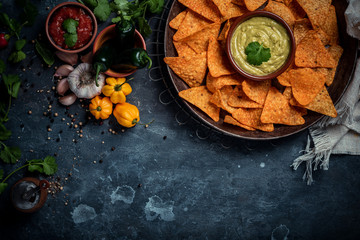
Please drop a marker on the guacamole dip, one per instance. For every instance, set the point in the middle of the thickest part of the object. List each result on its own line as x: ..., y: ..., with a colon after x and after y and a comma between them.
x: 265, y: 31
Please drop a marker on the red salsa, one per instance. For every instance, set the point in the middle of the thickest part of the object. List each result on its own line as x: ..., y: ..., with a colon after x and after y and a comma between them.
x: 84, y: 29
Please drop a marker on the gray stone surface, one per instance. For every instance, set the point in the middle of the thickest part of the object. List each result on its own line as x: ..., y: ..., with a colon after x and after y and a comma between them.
x: 190, y: 188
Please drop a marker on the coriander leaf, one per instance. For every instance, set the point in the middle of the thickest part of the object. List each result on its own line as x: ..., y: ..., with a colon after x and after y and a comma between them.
x: 102, y: 10
x: 45, y: 53
x: 70, y: 39
x: 120, y: 5
x: 13, y: 26
x: 144, y: 27
x: 116, y: 19
x: 257, y: 54
x: 90, y: 3
x: 50, y: 166
x: 36, y: 165
x: 70, y: 25
x: 155, y: 6
x: 1, y: 174
x: 12, y: 83
x: 3, y: 112
x: 4, y: 133
x: 3, y: 186
x: 17, y: 56
x: 10, y: 154
x: 19, y: 44
x: 2, y: 66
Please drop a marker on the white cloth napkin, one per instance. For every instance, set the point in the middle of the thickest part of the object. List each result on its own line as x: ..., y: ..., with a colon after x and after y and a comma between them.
x: 340, y: 135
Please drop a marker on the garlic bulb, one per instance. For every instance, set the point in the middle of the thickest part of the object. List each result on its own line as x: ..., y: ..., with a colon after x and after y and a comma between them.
x: 82, y: 81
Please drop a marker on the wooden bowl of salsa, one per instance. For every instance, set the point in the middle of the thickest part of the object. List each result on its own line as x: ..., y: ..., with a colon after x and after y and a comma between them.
x: 71, y: 27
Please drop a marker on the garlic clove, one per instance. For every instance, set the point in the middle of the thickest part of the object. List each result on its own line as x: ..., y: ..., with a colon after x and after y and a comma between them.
x: 62, y: 86
x: 87, y: 58
x: 70, y: 58
x: 63, y: 70
x: 68, y: 99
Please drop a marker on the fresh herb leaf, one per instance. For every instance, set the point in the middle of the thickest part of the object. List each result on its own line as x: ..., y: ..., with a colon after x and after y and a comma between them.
x: 47, y: 166
x: 70, y: 39
x: 120, y: 5
x: 36, y: 165
x: 10, y: 154
x: 3, y: 186
x: 2, y: 66
x: 4, y: 132
x: 144, y: 27
x: 155, y: 6
x: 257, y: 54
x: 70, y: 25
x: 50, y: 166
x: 17, y: 56
x: 102, y: 10
x: 90, y: 3
x: 12, y: 83
x: 13, y: 26
x: 45, y: 53
x: 19, y: 44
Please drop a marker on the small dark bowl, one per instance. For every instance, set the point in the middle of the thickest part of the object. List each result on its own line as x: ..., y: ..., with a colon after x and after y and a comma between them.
x: 87, y: 11
x: 275, y: 17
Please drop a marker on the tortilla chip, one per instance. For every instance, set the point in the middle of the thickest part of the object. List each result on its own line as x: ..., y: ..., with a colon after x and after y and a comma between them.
x: 278, y: 110
x: 296, y: 9
x: 213, y: 83
x: 251, y: 118
x: 230, y: 120
x: 301, y: 27
x: 206, y: 8
x: 200, y: 97
x: 176, y: 21
x: 252, y: 5
x: 317, y: 11
x: 192, y: 23
x: 191, y: 69
x: 322, y: 103
x: 281, y: 10
x: 239, y: 99
x: 220, y: 98
x: 256, y: 90
x: 284, y: 79
x: 289, y: 96
x: 183, y: 49
x: 199, y: 41
x: 330, y: 27
x: 238, y: 2
x: 229, y: 10
x: 306, y: 84
x: 335, y: 51
x: 311, y: 52
x: 218, y: 62
x: 224, y: 31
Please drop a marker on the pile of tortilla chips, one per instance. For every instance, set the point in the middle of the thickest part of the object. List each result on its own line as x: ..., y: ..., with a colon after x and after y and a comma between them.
x: 215, y: 87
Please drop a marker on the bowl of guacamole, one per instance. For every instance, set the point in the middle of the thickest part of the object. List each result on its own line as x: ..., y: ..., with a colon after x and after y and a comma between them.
x: 260, y: 45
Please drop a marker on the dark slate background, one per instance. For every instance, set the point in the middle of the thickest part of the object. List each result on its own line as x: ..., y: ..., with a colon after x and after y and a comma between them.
x: 164, y: 181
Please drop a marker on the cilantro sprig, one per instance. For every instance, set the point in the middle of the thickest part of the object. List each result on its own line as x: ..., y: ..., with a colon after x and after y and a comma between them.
x: 257, y: 54
x: 47, y: 166
x: 134, y: 10
x: 70, y: 36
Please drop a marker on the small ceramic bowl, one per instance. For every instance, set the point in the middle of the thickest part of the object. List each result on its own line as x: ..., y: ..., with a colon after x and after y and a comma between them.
x: 109, y: 33
x: 278, y: 19
x: 87, y: 12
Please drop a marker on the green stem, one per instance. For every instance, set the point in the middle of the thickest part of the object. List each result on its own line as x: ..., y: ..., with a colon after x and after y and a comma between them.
x: 14, y: 172
x: 98, y: 68
x: 150, y: 61
x: 3, y: 144
x: 7, y: 112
